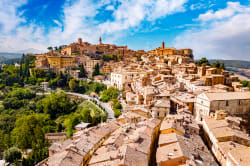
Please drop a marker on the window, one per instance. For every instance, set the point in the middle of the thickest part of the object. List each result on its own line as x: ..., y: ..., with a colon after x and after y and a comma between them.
x: 239, y: 102
x: 158, y: 114
x: 227, y: 103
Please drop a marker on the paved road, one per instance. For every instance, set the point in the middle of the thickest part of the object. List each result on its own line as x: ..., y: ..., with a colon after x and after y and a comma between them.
x: 104, y: 105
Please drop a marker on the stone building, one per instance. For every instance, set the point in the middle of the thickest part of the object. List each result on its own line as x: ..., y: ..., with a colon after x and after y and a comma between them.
x: 61, y: 62
x: 234, y: 103
x: 230, y: 147
x: 161, y: 109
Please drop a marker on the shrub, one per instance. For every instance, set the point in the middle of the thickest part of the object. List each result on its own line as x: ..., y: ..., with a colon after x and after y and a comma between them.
x: 12, y: 154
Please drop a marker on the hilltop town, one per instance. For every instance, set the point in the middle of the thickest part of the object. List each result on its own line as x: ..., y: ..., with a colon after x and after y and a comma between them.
x: 174, y: 112
x: 167, y: 110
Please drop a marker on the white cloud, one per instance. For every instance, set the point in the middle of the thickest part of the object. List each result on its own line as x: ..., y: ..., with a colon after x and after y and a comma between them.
x: 197, y: 6
x: 57, y: 23
x: 13, y: 36
x: 9, y: 16
x: 131, y: 13
x: 225, y: 34
x: 232, y: 8
x: 78, y: 19
x: 110, y: 7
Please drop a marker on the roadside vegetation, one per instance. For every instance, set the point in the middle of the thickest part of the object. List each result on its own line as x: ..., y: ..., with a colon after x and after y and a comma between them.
x: 25, y: 116
x: 111, y: 95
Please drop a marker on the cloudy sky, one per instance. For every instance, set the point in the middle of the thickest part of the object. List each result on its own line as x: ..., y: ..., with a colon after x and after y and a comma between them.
x: 212, y: 28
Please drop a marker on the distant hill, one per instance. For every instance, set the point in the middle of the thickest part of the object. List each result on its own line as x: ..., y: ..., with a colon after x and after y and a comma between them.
x: 236, y: 66
x: 233, y: 63
x: 9, y: 58
x: 8, y: 55
x: 8, y: 61
x: 31, y: 50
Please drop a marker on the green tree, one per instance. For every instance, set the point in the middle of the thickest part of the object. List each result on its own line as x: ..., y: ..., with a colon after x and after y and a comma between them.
x: 117, y: 105
x: 71, y: 122
x: 83, y: 73
x: 55, y: 105
x: 96, y: 70
x: 50, y: 48
x: 117, y: 112
x: 13, y: 103
x: 31, y: 129
x: 74, y: 85
x: 109, y: 94
x: 86, y: 115
x: 12, y: 154
x: 216, y: 64
x: 202, y: 61
x: 222, y: 66
x: 22, y: 93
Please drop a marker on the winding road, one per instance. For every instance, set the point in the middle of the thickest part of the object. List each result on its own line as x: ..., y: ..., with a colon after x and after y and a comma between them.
x: 106, y: 106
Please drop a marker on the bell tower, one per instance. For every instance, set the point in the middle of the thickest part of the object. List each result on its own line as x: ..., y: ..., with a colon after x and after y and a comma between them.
x: 163, y: 45
x: 100, y: 40
x: 79, y: 40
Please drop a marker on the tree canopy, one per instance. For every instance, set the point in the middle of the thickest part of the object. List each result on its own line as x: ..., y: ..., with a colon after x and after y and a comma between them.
x: 55, y: 105
x: 202, y: 61
x: 109, y: 94
x: 96, y: 70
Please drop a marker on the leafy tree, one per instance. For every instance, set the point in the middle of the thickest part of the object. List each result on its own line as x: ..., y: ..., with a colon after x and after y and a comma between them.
x: 13, y: 103
x: 71, y: 122
x: 7, y: 123
x: 202, y: 61
x: 93, y: 86
x: 12, y: 154
x: 55, y: 105
x: 109, y: 94
x: 30, y: 129
x: 63, y: 80
x: 245, y: 83
x: 222, y: 66
x: 74, y: 85
x: 216, y: 64
x: 117, y: 105
x: 117, y: 113
x: 50, y: 48
x: 110, y: 57
x: 96, y: 70
x: 83, y: 73
x: 22, y: 93
x: 86, y: 115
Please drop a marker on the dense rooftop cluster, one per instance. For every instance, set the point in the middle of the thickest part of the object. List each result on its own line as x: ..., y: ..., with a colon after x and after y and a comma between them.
x: 175, y: 112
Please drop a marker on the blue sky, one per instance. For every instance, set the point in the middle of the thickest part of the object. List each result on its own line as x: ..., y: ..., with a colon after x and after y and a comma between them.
x: 212, y: 28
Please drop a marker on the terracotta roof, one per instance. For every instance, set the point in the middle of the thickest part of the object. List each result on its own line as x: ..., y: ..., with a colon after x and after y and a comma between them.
x: 169, y: 152
x: 228, y: 96
x: 65, y: 158
x: 162, y: 103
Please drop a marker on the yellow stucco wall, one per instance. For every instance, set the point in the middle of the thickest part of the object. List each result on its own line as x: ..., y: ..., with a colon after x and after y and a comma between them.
x: 172, y: 130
